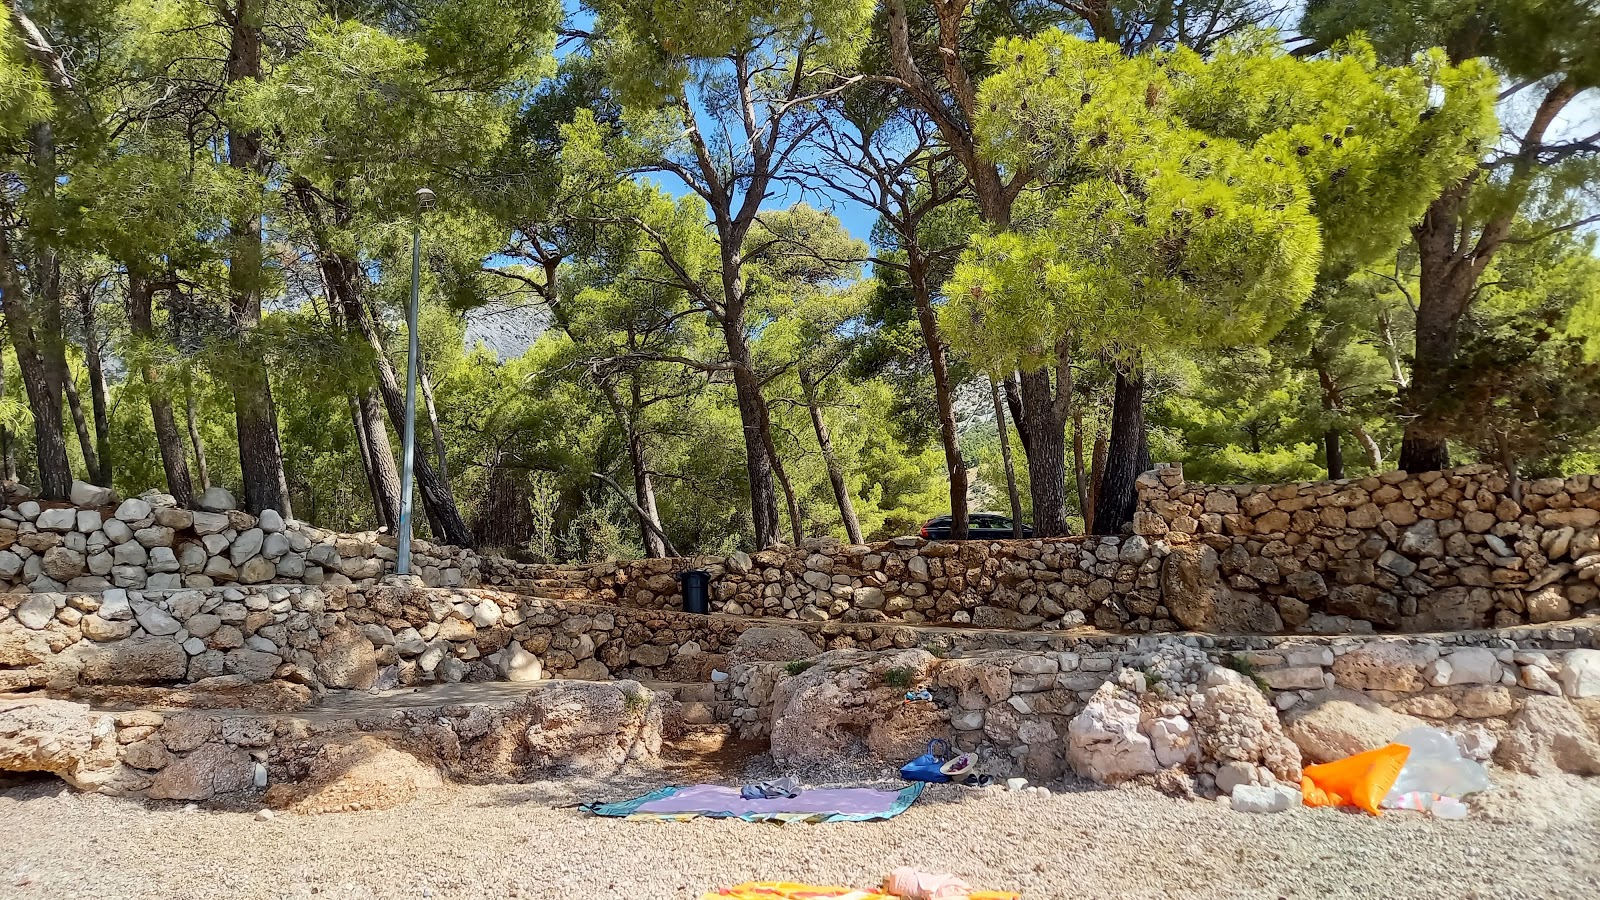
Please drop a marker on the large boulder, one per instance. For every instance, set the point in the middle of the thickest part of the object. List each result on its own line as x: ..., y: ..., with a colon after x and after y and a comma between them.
x: 1235, y: 723
x: 1103, y: 740
x: 1336, y: 723
x: 354, y: 773
x: 581, y: 726
x: 848, y: 696
x: 1549, y: 736
x: 206, y: 773
x: 1193, y: 589
x: 771, y: 643
x: 58, y: 737
x: 346, y: 659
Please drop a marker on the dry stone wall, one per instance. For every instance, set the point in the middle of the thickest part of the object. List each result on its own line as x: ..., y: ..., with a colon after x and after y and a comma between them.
x: 1439, y: 551
x: 1211, y: 707
x: 365, y: 636
x: 98, y: 543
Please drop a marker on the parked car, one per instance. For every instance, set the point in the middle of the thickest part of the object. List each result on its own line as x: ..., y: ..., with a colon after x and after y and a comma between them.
x: 980, y: 526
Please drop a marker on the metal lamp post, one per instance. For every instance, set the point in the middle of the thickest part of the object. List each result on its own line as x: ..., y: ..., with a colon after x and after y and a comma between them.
x: 409, y: 438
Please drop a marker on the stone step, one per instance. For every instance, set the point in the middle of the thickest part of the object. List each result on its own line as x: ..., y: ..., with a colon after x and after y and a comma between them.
x: 696, y: 712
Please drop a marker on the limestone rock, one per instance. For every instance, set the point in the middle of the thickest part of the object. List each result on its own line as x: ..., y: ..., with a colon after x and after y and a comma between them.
x: 206, y: 523
x: 256, y: 665
x: 60, y: 519
x: 216, y: 499
x: 1104, y: 743
x: 1380, y: 667
x: 771, y: 643
x: 1235, y: 722
x: 848, y: 696
x: 85, y: 494
x: 518, y: 665
x: 203, y: 774
x: 351, y: 774
x: 1265, y: 799
x: 346, y: 659
x: 1548, y: 737
x: 1548, y: 604
x: 63, y: 563
x: 36, y: 611
x: 257, y: 570
x: 1580, y: 674
x: 133, y: 510
x: 1467, y: 665
x: 138, y: 660
x: 584, y: 726
x: 1174, y: 742
x: 1336, y: 723
x: 62, y: 738
x: 1192, y: 587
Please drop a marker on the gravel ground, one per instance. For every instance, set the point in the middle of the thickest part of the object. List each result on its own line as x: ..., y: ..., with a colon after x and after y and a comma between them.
x: 1527, y: 838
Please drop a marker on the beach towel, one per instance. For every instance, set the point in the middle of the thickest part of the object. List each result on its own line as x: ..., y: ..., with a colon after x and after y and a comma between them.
x: 719, y: 802
x: 784, y: 890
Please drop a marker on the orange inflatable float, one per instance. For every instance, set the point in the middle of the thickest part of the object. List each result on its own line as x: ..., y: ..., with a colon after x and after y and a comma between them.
x: 1360, y: 781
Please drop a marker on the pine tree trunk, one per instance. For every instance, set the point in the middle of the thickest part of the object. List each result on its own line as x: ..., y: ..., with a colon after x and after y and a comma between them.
x: 928, y: 323
x: 8, y: 455
x: 168, y: 441
x: 1012, y: 493
x: 1079, y: 476
x: 433, y: 423
x: 758, y: 465
x: 1450, y: 266
x: 436, y: 499
x: 202, y: 467
x: 1335, y: 454
x: 80, y: 424
x: 1044, y: 444
x: 644, y: 486
x: 381, y: 456
x: 1444, y: 298
x: 44, y: 399
x: 344, y: 278
x: 380, y: 513
x: 841, y: 490
x: 260, y: 452
x: 1127, y: 456
x: 97, y: 392
x: 1097, y: 469
x: 644, y: 494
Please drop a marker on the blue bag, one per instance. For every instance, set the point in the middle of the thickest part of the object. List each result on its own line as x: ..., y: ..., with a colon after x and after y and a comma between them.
x: 926, y: 766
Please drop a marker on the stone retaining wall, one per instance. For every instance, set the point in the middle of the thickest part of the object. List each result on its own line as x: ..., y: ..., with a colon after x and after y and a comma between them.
x: 1437, y: 551
x: 150, y: 543
x: 361, y: 636
x: 1029, y: 712
x: 1433, y: 552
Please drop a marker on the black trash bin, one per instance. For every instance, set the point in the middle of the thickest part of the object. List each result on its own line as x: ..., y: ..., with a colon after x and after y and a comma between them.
x: 695, y: 597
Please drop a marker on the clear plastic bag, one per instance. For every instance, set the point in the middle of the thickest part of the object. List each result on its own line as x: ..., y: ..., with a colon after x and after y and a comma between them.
x: 1435, y: 766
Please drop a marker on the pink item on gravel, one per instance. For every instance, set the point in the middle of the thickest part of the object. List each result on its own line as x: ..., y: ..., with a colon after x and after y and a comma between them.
x: 911, y: 884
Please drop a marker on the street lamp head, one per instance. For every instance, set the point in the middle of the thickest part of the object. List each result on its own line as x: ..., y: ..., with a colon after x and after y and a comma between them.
x: 424, y: 199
